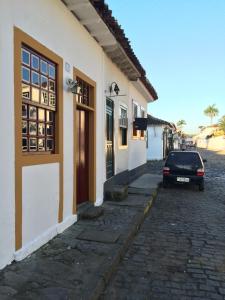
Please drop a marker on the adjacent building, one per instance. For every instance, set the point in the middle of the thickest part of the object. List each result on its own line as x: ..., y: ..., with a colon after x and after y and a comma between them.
x: 70, y: 89
x: 161, y: 138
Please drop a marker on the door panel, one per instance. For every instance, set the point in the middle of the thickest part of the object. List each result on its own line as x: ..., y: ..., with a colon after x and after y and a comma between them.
x: 109, y: 138
x: 82, y: 163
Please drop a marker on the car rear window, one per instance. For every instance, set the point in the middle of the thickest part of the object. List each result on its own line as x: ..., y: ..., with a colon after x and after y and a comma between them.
x: 184, y: 158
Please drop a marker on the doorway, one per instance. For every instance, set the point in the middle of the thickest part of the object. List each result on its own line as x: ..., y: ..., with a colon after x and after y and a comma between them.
x: 109, y: 138
x: 82, y: 156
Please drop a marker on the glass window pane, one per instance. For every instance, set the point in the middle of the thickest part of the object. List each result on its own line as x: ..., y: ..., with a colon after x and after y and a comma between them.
x: 24, y: 144
x: 25, y: 91
x: 50, y: 144
x: 35, y: 78
x: 44, y: 67
x: 34, y: 62
x: 24, y: 127
x: 32, y: 112
x: 35, y: 94
x: 44, y: 97
x: 52, y: 86
x: 41, y: 129
x: 44, y: 82
x: 24, y: 111
x: 25, y: 56
x: 51, y: 100
x: 51, y: 71
x: 32, y: 128
x: 41, y: 144
x: 49, y: 129
x: 33, y: 144
x: 41, y: 114
x: 49, y: 116
x: 25, y: 74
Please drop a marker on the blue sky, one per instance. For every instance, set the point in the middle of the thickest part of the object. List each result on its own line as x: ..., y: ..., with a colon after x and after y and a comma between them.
x: 181, y: 45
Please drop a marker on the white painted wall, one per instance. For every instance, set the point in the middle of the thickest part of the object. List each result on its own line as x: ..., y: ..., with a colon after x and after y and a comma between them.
x: 40, y: 199
x: 137, y: 148
x: 155, y: 142
x: 7, y: 183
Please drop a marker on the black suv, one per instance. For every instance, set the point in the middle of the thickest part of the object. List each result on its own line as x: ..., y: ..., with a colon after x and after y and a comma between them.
x: 184, y: 167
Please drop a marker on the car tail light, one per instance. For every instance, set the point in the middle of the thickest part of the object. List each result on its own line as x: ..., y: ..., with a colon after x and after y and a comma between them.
x: 200, y: 172
x: 166, y: 171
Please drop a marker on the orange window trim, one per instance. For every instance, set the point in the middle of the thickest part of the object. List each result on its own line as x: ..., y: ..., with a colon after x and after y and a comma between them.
x: 21, y: 159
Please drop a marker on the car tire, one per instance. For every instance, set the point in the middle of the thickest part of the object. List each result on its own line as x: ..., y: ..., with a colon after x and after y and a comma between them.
x: 201, y: 187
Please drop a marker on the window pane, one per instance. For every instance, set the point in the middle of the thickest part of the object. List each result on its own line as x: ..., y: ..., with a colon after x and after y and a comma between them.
x: 33, y: 144
x: 44, y: 97
x: 25, y: 74
x: 35, y: 94
x: 24, y: 127
x: 50, y: 144
x: 35, y: 78
x: 49, y: 129
x: 25, y: 91
x: 41, y: 144
x: 51, y: 100
x: 32, y: 128
x: 24, y: 111
x: 52, y: 86
x: 32, y: 112
x: 24, y: 144
x: 41, y: 129
x: 41, y: 114
x: 44, y: 67
x: 52, y: 71
x: 25, y: 56
x: 44, y: 82
x: 49, y: 116
x: 34, y: 62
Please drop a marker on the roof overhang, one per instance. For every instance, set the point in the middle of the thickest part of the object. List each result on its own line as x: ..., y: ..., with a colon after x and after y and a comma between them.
x: 143, y: 91
x: 90, y: 19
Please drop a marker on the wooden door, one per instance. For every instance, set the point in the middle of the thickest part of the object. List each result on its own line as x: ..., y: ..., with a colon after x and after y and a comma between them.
x: 109, y: 138
x: 82, y: 161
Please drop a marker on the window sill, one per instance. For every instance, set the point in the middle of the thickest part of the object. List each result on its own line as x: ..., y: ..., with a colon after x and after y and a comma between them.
x: 39, y: 159
x: 123, y: 147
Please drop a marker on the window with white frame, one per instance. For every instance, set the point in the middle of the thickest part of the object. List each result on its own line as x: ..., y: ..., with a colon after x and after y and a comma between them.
x: 123, y: 124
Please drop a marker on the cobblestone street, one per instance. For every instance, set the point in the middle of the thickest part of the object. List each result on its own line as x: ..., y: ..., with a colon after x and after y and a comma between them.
x: 179, y: 252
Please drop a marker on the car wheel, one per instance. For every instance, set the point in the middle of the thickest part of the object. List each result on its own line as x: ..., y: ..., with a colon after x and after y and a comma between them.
x: 201, y: 187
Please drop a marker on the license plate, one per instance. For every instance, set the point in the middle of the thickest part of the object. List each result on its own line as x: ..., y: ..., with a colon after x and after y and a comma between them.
x: 183, y: 179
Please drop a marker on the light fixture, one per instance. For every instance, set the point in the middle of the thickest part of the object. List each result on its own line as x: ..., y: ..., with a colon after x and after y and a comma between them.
x: 114, y: 88
x: 73, y: 86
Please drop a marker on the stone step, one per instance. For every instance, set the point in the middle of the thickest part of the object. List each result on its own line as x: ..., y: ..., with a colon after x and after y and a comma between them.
x: 116, y: 193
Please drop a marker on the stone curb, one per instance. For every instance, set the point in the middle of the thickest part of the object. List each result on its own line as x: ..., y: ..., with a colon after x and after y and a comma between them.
x: 99, y: 285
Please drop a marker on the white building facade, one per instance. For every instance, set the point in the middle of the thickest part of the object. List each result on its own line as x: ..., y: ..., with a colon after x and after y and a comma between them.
x: 55, y: 142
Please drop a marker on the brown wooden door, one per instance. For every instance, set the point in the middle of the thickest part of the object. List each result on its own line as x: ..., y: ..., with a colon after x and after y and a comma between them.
x: 82, y: 156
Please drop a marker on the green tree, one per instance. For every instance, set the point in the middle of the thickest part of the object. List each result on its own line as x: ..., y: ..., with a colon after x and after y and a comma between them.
x: 181, y: 124
x: 222, y: 123
x: 211, y: 111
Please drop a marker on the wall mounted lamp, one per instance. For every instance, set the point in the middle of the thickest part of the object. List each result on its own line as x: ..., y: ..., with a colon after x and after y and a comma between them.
x: 73, y: 86
x: 114, y: 88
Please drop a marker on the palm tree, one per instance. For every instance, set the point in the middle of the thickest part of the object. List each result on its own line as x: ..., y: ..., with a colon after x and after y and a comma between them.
x: 180, y: 124
x: 211, y: 111
x: 222, y: 123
